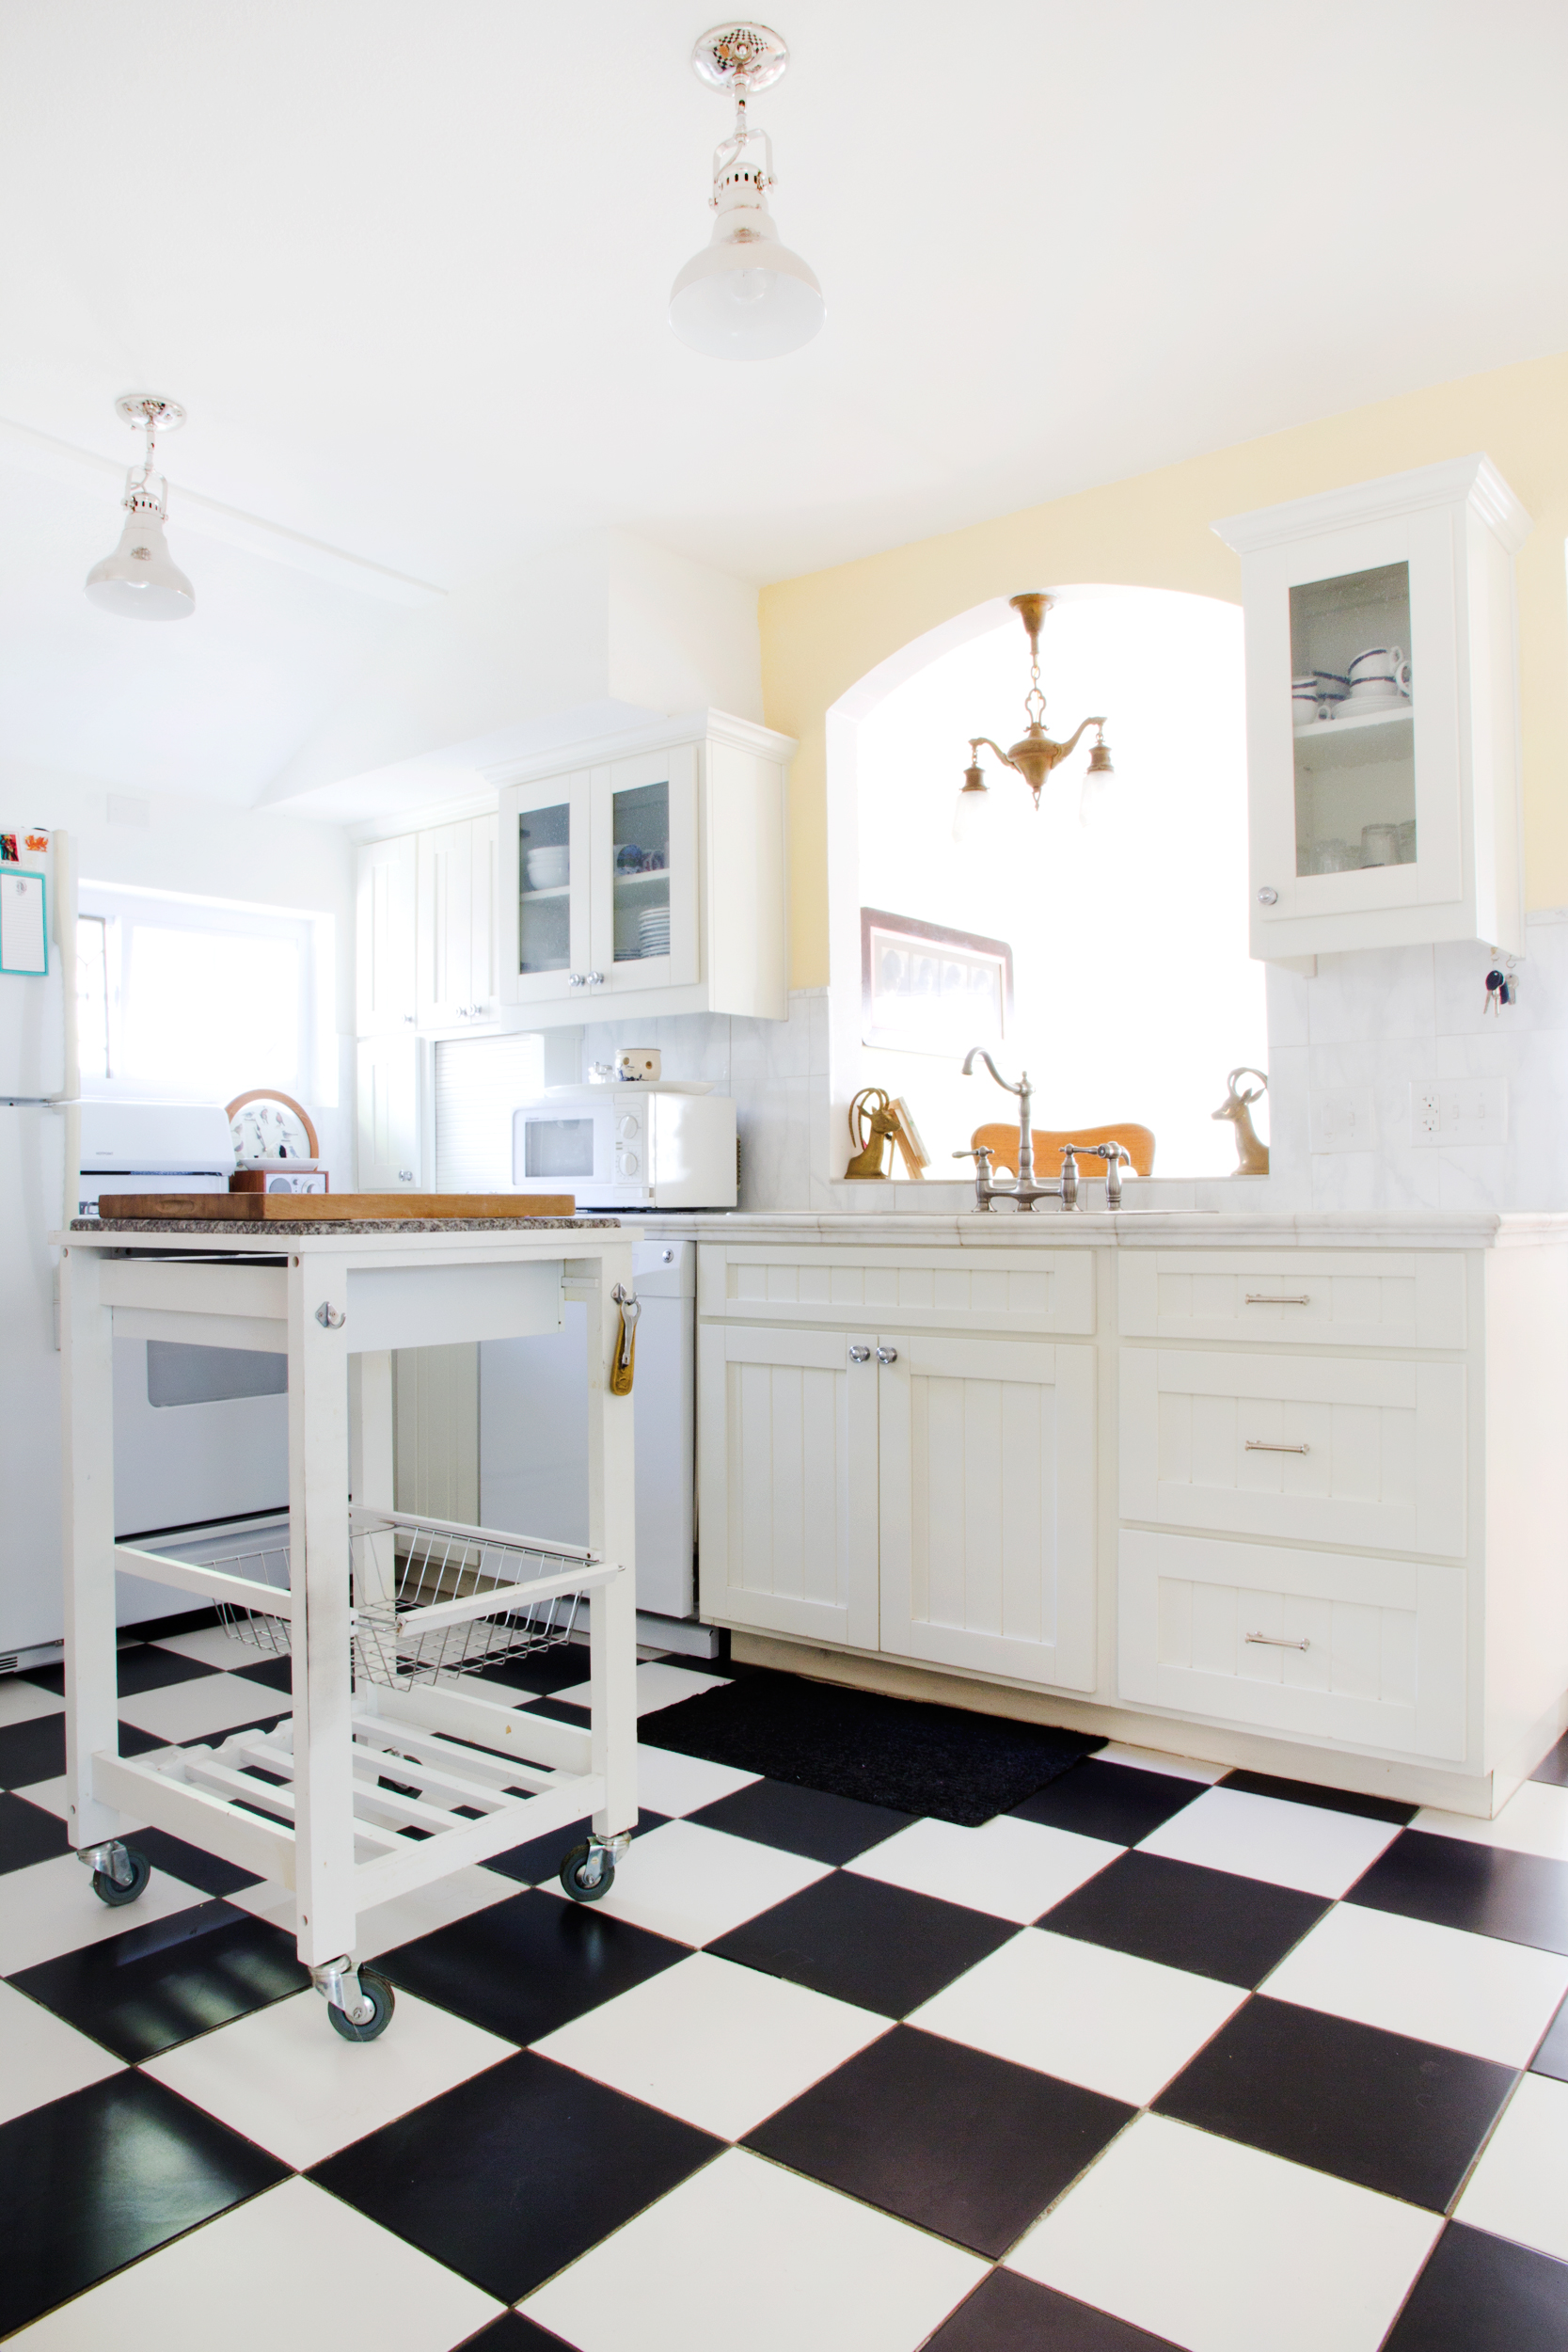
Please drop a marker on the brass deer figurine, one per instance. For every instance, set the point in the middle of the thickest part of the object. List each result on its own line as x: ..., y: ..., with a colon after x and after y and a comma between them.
x: 1252, y: 1156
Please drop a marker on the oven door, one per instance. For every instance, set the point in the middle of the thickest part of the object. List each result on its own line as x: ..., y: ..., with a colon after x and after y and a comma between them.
x: 563, y: 1147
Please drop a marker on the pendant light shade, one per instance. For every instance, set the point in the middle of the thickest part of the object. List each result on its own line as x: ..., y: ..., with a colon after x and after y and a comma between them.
x: 745, y: 296
x: 140, y: 581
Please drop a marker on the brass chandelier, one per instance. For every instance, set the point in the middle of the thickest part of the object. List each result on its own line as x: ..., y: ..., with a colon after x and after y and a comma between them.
x: 1035, y: 755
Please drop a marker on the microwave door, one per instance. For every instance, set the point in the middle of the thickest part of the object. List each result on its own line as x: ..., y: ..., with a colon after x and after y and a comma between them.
x: 550, y: 1148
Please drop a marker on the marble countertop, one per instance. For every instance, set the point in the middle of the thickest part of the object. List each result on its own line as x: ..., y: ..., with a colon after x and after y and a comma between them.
x: 1129, y: 1229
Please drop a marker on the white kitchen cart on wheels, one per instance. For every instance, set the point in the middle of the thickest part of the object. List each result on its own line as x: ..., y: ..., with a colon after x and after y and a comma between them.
x: 386, y: 1613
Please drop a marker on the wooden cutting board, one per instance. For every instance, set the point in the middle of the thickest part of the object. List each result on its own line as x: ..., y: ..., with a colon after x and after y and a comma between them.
x: 321, y: 1208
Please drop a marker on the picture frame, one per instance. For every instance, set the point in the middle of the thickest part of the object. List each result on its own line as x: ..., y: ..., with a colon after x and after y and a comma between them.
x: 23, y: 922
x: 929, y: 989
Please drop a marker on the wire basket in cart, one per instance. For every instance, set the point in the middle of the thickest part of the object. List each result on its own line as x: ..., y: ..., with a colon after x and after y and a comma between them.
x: 429, y: 1597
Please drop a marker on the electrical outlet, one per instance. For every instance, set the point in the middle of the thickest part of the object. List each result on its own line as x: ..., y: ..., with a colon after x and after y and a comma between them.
x: 1459, y: 1110
x: 1344, y: 1119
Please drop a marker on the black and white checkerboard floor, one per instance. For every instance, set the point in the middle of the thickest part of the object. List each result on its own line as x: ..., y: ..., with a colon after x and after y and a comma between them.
x: 1164, y: 2058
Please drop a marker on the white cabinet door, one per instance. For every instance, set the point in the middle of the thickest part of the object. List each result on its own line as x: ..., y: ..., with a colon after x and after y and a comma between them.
x: 1318, y: 1644
x: 444, y: 950
x: 988, y: 1506
x: 643, y: 922
x: 543, y: 866
x: 1317, y: 1449
x: 484, y: 990
x: 387, y: 1099
x: 383, y: 936
x: 788, y: 1447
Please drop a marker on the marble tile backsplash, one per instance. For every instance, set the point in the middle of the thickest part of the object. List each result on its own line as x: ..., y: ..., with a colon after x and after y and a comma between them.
x: 1386, y: 1022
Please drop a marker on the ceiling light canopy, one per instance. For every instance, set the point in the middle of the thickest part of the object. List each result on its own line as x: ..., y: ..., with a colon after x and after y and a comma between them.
x: 745, y: 296
x: 141, y: 582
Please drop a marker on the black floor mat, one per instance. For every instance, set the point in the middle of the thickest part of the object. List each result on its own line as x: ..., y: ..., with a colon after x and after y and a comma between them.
x: 942, y: 1760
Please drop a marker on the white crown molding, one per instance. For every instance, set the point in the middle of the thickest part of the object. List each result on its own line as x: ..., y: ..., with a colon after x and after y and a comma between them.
x: 714, y: 727
x: 1472, y: 481
x: 39, y: 454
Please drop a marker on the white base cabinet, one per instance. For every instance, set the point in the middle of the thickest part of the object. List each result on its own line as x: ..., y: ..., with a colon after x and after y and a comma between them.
x: 1309, y: 1491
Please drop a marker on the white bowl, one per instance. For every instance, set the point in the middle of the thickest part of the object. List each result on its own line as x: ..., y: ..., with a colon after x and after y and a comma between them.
x: 547, y: 869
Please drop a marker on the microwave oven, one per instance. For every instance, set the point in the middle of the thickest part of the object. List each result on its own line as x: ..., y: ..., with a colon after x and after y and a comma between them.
x: 650, y: 1144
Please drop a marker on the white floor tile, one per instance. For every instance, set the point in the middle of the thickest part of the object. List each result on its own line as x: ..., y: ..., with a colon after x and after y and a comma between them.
x: 1156, y: 1760
x: 213, y: 1646
x: 658, y: 1685
x: 23, y: 1702
x: 1469, y: 1993
x: 207, y: 1708
x: 720, y: 2046
x: 1534, y: 1820
x: 42, y: 2058
x: 50, y: 1908
x: 1519, y: 2189
x: 694, y: 1883
x: 1101, y: 2018
x: 673, y: 1784
x: 1306, y: 1845
x: 283, y: 2078
x: 1222, y: 2248
x: 455, y: 1897
x: 745, y: 2253
x: 1014, y: 1870
x: 293, y: 2270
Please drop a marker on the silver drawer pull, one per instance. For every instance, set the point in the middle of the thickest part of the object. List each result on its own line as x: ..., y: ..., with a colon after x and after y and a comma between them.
x: 1276, y: 1640
x: 1266, y: 1445
x: 1267, y: 1298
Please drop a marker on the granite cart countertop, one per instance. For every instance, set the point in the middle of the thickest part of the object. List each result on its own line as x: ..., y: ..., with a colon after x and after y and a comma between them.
x: 283, y: 1230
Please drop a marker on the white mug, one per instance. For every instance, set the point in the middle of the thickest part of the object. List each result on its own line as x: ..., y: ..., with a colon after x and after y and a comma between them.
x: 638, y: 1062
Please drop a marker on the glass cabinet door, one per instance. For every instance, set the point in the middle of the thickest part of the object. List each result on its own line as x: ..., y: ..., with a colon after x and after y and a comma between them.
x: 644, y: 886
x: 1352, y: 699
x: 545, y: 888
x: 639, y: 829
x: 543, y: 884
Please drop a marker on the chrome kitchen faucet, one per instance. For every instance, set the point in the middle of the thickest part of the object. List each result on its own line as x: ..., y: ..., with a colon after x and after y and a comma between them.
x: 1024, y: 1191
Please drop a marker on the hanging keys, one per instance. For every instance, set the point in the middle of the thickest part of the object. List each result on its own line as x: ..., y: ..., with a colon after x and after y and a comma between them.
x: 1499, y: 991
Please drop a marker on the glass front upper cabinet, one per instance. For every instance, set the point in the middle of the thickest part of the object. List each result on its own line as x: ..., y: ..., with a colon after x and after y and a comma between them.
x: 1382, y: 752
x: 545, y: 888
x: 641, y: 845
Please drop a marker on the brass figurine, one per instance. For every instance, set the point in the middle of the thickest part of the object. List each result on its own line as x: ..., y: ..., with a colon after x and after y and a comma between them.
x: 871, y: 1126
x: 1252, y: 1156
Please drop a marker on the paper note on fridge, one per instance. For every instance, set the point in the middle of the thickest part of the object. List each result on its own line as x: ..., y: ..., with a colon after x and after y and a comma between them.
x: 24, y: 937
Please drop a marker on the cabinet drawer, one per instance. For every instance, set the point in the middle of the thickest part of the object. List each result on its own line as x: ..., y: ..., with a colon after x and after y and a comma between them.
x: 1371, y: 1298
x: 1321, y: 1644
x: 1330, y: 1450
x: 1030, y: 1291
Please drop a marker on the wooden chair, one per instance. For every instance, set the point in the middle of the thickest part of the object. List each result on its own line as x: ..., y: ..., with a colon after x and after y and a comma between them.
x: 1050, y: 1143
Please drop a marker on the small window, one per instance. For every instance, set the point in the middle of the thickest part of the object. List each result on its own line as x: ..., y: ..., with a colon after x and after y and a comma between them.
x: 92, y: 997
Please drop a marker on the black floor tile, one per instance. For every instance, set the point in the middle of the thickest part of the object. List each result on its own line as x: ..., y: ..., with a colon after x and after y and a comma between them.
x: 140, y: 1666
x: 1115, y: 1801
x: 541, y: 1857
x: 1006, y: 2314
x: 209, y: 1871
x: 510, y: 2176
x: 35, y: 1750
x: 560, y: 1710
x: 877, y: 1945
x: 954, y: 2140
x: 1329, y: 1799
x: 1212, y: 1923
x: 548, y: 1670
x: 522, y: 1967
x: 806, y: 1822
x: 511, y: 2333
x: 160, y: 1983
x: 1552, y: 2057
x: 1480, y: 2294
x: 274, y: 1674
x: 89, y: 2183
x: 1402, y: 2117
x: 28, y: 1833
x: 1553, y: 1766
x: 1518, y: 1898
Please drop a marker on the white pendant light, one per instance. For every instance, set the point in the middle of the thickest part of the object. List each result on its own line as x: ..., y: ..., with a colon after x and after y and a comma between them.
x: 745, y: 296
x: 141, y: 582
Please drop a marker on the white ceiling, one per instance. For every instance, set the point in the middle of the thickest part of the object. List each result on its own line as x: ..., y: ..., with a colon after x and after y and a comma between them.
x: 406, y: 266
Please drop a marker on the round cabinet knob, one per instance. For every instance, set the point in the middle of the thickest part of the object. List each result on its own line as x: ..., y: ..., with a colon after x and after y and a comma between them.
x: 1268, y: 897
x: 573, y: 979
x: 668, y: 1256
x: 860, y: 1355
x: 887, y: 1355
x: 627, y: 1127
x: 593, y: 979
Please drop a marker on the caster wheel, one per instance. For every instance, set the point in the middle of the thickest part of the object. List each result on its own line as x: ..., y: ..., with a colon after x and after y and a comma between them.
x: 580, y: 1889
x: 109, y: 1891
x: 379, y: 1993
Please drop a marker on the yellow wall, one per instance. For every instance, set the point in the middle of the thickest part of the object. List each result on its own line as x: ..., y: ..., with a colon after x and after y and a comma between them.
x: 823, y: 632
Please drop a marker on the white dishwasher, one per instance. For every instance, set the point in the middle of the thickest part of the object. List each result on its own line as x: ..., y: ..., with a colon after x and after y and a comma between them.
x: 533, y: 1433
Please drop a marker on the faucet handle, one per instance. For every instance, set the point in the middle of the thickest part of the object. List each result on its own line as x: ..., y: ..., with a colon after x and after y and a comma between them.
x: 980, y: 1155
